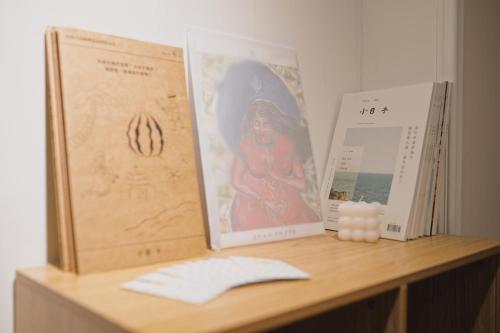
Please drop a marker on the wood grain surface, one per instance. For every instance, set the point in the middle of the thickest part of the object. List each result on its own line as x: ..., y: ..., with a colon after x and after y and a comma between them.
x: 461, y: 300
x: 341, y: 273
x: 58, y: 154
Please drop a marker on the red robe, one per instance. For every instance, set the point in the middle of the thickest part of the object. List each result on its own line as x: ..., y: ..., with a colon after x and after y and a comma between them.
x: 273, y: 203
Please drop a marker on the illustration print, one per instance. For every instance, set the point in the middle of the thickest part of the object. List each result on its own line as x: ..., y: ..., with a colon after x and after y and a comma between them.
x: 262, y: 157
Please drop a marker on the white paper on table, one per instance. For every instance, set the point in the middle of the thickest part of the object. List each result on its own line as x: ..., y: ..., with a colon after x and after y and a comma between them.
x: 157, y: 284
x: 202, y: 280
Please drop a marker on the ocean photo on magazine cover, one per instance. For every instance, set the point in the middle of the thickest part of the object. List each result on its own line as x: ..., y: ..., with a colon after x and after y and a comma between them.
x: 366, y: 165
x: 258, y: 139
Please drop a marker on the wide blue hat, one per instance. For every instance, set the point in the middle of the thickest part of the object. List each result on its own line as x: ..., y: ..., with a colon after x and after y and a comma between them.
x: 244, y: 83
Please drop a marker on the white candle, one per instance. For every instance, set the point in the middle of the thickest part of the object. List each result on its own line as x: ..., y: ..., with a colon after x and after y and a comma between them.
x: 371, y: 236
x: 372, y: 223
x: 364, y: 209
x: 344, y: 222
x: 344, y: 234
x: 348, y: 208
x: 359, y: 221
x: 357, y: 235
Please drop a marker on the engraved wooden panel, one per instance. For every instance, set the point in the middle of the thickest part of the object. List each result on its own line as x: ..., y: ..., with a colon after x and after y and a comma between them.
x: 52, y: 236
x: 57, y: 153
x: 131, y: 165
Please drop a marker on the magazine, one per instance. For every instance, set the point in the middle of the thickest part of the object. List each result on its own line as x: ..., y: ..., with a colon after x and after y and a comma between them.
x: 387, y: 148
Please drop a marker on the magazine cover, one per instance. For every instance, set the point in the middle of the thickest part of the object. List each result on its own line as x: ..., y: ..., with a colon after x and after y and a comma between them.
x: 258, y: 170
x: 376, y: 153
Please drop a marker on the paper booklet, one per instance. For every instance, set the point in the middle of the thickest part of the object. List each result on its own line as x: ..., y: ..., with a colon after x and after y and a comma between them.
x: 258, y: 170
x: 202, y: 280
x: 390, y: 146
x: 125, y: 171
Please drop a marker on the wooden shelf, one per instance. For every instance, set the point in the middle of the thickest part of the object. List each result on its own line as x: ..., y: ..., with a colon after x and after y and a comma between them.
x: 382, y: 279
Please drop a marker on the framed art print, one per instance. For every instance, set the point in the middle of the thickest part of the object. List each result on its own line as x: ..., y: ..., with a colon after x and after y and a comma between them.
x: 258, y: 170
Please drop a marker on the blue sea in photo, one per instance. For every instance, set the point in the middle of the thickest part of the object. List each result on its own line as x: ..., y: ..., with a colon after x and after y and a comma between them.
x: 343, y: 185
x: 370, y: 187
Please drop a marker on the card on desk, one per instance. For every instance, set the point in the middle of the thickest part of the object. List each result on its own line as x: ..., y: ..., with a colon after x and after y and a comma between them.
x: 202, y: 280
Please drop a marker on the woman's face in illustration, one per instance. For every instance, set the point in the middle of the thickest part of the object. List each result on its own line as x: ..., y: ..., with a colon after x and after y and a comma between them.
x: 263, y: 129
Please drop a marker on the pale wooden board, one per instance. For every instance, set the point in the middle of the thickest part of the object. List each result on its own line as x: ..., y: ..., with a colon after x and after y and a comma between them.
x: 341, y: 273
x: 129, y: 189
x: 34, y: 312
x: 56, y: 137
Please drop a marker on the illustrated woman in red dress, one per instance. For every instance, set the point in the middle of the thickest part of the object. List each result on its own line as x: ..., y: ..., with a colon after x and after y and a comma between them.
x: 267, y: 175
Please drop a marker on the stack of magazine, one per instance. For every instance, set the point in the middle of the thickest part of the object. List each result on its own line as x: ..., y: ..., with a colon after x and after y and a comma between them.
x: 390, y: 146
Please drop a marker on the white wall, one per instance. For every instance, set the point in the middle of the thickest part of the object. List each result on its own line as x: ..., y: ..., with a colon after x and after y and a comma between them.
x: 480, y: 56
x: 326, y: 34
x: 398, y: 43
x: 412, y: 41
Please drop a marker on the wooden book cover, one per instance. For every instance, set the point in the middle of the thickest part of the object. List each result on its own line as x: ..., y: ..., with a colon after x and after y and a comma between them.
x: 125, y: 171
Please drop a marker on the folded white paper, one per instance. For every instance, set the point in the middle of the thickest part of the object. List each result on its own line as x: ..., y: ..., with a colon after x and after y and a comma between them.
x: 202, y: 280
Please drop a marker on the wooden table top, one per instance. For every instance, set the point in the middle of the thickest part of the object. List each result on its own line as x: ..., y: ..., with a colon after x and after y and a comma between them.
x: 341, y: 273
